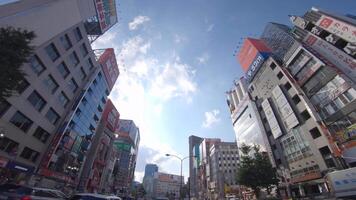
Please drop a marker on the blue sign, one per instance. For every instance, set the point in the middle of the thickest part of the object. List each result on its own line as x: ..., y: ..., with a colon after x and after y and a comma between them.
x: 256, y: 64
x: 20, y: 167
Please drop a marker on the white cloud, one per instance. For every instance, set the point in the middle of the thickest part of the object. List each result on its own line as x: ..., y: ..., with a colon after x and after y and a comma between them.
x: 203, y: 58
x: 210, y: 27
x: 175, y: 80
x: 139, y: 176
x: 132, y: 47
x: 179, y: 39
x: 138, y: 20
x: 105, y: 41
x: 211, y: 117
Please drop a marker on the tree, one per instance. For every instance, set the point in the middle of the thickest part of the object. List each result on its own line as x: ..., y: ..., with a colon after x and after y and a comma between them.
x: 14, y: 50
x: 255, y: 170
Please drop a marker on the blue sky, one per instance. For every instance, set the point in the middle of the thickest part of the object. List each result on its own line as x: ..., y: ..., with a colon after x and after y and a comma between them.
x: 176, y: 62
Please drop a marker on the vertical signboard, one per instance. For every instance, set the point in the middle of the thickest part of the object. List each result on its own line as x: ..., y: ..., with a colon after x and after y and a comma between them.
x: 341, y: 60
x: 111, y: 115
x: 109, y: 66
x: 271, y: 119
x: 107, y: 16
x: 288, y: 117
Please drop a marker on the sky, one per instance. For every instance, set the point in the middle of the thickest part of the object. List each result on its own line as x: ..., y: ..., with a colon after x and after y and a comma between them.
x: 176, y: 63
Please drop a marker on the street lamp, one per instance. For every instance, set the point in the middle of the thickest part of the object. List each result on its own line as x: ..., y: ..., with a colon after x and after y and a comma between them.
x: 181, y: 175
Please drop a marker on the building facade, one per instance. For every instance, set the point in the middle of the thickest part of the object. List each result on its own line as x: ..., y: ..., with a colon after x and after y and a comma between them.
x: 194, y: 142
x: 98, y: 167
x: 126, y: 144
x: 331, y: 86
x: 224, y: 158
x: 148, y: 179
x: 61, y: 67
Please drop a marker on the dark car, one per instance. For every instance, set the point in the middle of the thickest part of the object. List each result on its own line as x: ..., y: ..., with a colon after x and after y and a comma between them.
x: 20, y: 192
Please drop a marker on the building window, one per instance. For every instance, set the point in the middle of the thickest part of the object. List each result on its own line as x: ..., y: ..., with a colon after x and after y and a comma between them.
x: 78, y: 112
x: 350, y: 94
x: 8, y: 145
x: 103, y: 100
x: 63, y: 99
x: 95, y: 82
x: 280, y: 75
x: 96, y: 118
x: 92, y: 128
x: 22, y: 86
x: 273, y: 65
x: 36, y: 65
x: 77, y: 34
x: 21, y: 121
x: 29, y: 154
x: 63, y: 70
x: 41, y: 134
x: 100, y: 109
x: 287, y: 86
x: 73, y: 59
x: 315, y: 133
x: 52, y: 52
x: 84, y: 101
x: 36, y: 100
x: 65, y: 42
x: 107, y: 92
x: 73, y: 85
x: 305, y: 115
x: 90, y: 64
x: 296, y: 99
x: 4, y: 106
x: 83, y: 50
x: 83, y: 75
x: 51, y: 84
x: 52, y: 116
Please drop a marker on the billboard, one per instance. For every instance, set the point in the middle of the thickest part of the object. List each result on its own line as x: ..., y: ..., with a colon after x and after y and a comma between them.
x: 337, y: 27
x: 251, y: 56
x: 111, y: 115
x: 109, y: 66
x: 107, y: 16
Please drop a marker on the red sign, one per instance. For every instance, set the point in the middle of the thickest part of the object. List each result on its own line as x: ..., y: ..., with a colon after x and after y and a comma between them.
x: 249, y: 51
x: 337, y: 27
x: 109, y: 66
x: 111, y: 115
x: 49, y: 173
x: 107, y: 16
x: 47, y: 157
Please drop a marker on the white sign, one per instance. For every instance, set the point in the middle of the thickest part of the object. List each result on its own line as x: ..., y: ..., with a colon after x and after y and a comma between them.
x: 271, y: 119
x: 342, y: 61
x: 287, y: 114
x: 298, y: 21
x: 339, y: 28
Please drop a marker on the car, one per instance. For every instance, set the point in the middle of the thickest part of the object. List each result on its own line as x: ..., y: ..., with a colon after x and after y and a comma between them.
x: 21, y: 192
x: 93, y: 196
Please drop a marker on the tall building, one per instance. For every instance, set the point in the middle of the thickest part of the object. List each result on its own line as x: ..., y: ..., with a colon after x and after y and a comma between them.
x: 98, y: 167
x: 194, y: 142
x: 126, y: 145
x: 61, y: 68
x: 330, y: 86
x: 148, y: 179
x: 247, y: 123
x: 279, y: 38
x: 224, y: 157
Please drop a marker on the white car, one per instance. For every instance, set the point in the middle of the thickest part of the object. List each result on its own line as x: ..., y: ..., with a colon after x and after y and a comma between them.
x: 93, y: 196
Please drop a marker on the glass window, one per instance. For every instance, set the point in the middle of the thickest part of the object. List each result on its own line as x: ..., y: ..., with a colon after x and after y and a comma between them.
x: 73, y: 59
x: 52, y: 116
x: 52, y: 52
x: 73, y: 85
x: 22, y: 86
x: 103, y: 100
x: 90, y: 64
x: 315, y: 133
x: 65, y: 42
x: 280, y: 75
x: 36, y: 100
x: 77, y: 34
x: 36, y: 65
x: 63, y: 69
x: 83, y: 50
x: 84, y: 101
x: 350, y: 94
x: 51, y: 84
x: 21, y: 121
x: 41, y: 134
x: 288, y: 86
x: 296, y: 99
x: 4, y: 106
x: 29, y: 154
x: 8, y: 145
x: 100, y: 109
x: 83, y: 75
x: 63, y: 99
